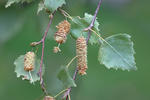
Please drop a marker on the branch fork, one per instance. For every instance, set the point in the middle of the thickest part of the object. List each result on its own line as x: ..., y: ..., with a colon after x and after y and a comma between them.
x: 42, y: 41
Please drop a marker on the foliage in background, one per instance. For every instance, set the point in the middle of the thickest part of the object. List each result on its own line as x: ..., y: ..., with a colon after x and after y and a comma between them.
x: 106, y: 39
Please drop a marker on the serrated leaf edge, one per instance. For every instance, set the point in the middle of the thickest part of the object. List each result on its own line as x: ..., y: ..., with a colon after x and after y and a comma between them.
x: 135, y: 68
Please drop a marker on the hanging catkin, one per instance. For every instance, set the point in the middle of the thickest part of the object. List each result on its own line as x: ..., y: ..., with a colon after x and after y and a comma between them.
x: 81, y: 51
x: 63, y: 29
x: 29, y: 60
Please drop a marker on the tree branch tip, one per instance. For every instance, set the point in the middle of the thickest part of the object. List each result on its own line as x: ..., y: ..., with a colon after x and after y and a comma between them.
x: 50, y: 16
x: 33, y: 44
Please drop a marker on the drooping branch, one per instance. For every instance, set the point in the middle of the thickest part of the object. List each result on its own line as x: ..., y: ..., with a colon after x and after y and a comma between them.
x: 42, y: 56
x: 43, y: 45
x: 42, y: 41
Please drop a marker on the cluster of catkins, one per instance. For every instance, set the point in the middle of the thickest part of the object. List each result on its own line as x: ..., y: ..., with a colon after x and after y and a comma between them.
x: 61, y: 35
x: 81, y: 46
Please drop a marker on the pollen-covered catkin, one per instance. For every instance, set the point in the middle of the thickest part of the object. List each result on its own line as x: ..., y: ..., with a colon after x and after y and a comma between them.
x: 29, y: 60
x: 63, y: 29
x: 81, y: 52
x: 60, y: 37
x: 64, y: 26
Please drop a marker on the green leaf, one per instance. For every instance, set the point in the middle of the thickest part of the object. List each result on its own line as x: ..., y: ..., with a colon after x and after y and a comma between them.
x: 79, y: 24
x: 118, y: 52
x: 40, y: 7
x: 53, y: 5
x: 19, y: 63
x: 65, y: 78
x: 10, y: 2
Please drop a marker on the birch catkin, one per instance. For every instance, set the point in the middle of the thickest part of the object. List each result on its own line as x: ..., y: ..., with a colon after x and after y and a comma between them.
x: 64, y: 26
x: 63, y: 29
x: 81, y: 51
x: 29, y: 60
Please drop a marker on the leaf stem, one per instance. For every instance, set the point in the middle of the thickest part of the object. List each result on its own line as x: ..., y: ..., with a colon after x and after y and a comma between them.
x: 31, y: 77
x: 69, y: 97
x: 60, y: 93
x: 71, y: 61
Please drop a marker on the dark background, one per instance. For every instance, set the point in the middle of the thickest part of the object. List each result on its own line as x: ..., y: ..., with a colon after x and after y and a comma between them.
x: 20, y: 25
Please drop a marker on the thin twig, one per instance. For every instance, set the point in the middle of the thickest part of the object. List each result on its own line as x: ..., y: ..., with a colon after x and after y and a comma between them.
x: 93, y: 21
x: 42, y: 56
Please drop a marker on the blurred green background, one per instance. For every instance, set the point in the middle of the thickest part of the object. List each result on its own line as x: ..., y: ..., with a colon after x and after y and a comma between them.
x: 20, y: 25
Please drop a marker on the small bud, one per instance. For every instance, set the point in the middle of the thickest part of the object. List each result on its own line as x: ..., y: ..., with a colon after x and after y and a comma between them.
x: 33, y: 44
x: 48, y: 98
x: 47, y: 11
x: 50, y: 16
x: 56, y: 50
x: 29, y: 60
